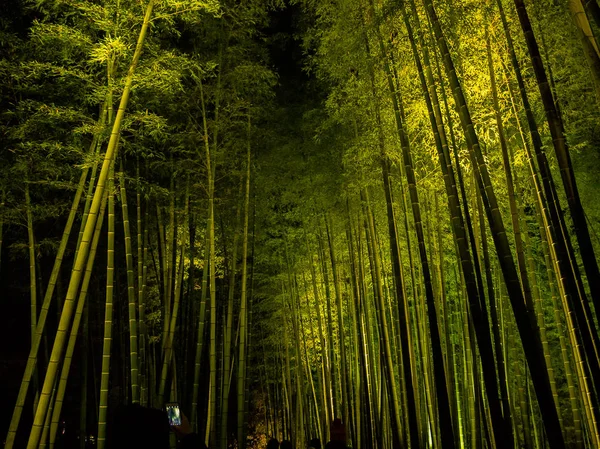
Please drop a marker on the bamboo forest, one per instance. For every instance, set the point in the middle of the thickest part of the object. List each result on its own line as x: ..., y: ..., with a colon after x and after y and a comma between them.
x: 369, y: 224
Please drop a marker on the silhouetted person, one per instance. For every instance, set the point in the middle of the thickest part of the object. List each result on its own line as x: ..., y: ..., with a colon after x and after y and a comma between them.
x: 286, y: 444
x: 315, y: 443
x: 134, y: 426
x: 273, y: 444
x: 186, y: 437
x: 337, y: 433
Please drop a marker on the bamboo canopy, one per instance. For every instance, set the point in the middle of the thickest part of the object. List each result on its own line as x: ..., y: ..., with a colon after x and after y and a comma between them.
x: 374, y: 221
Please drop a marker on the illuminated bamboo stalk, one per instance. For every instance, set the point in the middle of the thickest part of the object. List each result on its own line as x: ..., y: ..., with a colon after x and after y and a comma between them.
x: 168, y: 358
x: 319, y: 414
x: 384, y: 337
x: 32, y: 279
x: 140, y: 293
x: 148, y: 366
x: 227, y: 343
x: 568, y: 276
x: 340, y: 322
x: 376, y: 370
x: 573, y: 399
x: 343, y: 375
x: 326, y: 373
x: 83, y: 400
x: 445, y: 312
x: 414, y: 351
x: 170, y: 251
x: 41, y: 322
x: 300, y: 431
x: 472, y: 273
x: 108, y: 316
x: 210, y: 173
x: 227, y: 364
x: 131, y: 294
x: 441, y: 389
x: 241, y: 380
x: 367, y: 355
x: 587, y: 397
x: 69, y: 305
x: 525, y: 319
x: 545, y: 234
x: 406, y: 380
x: 32, y: 257
x: 588, y: 40
x: 358, y: 339
x: 46, y: 432
x: 200, y: 334
x: 332, y: 366
x: 564, y: 249
x: 519, y: 237
x: 164, y: 272
x: 537, y: 296
x: 81, y: 302
x: 211, y: 168
x: 455, y: 329
x: 563, y: 158
x: 514, y: 211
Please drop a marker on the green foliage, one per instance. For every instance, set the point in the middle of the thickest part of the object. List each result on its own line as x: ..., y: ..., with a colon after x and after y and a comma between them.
x: 206, y: 80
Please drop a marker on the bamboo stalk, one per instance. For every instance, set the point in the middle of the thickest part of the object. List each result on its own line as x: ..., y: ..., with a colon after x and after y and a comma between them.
x: 81, y: 302
x: 131, y: 295
x: 108, y: 316
x: 241, y: 380
x: 69, y: 305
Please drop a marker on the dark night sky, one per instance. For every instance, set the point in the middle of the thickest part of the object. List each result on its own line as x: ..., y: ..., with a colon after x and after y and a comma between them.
x: 287, y: 55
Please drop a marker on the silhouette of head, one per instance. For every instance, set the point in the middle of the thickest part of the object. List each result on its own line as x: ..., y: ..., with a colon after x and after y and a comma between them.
x: 136, y: 426
x: 338, y: 431
x: 315, y: 443
x: 273, y: 444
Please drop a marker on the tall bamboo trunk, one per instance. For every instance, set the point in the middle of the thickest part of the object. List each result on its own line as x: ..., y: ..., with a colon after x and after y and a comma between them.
x: 108, y: 316
x: 131, y: 295
x: 325, y: 373
x: 447, y: 433
x: 32, y: 280
x: 141, y: 264
x: 81, y: 301
x: 168, y: 352
x: 384, y: 338
x: 210, y: 169
x: 568, y: 276
x: 32, y: 257
x: 525, y: 319
x: 341, y: 331
x: 69, y: 305
x: 201, y: 331
x: 573, y: 396
x: 227, y: 351
x: 405, y: 359
x: 563, y: 158
x: 241, y: 379
x: 588, y: 41
x: 470, y: 267
x: 332, y: 365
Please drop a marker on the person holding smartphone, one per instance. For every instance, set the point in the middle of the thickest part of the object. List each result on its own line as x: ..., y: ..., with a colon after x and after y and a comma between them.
x: 182, y: 428
x: 134, y: 426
